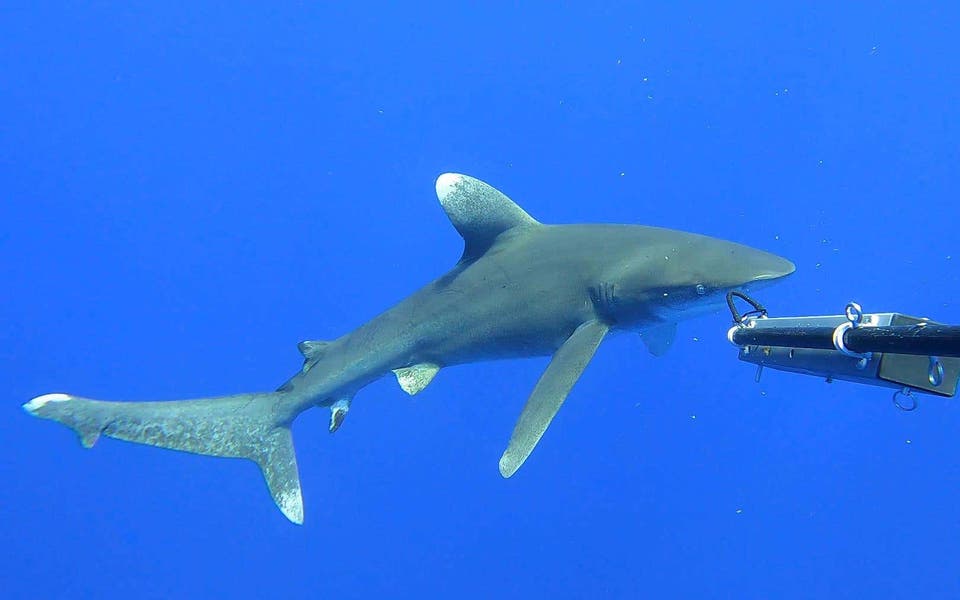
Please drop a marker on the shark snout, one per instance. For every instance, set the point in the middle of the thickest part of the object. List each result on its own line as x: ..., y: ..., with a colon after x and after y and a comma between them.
x: 773, y: 267
x: 765, y: 269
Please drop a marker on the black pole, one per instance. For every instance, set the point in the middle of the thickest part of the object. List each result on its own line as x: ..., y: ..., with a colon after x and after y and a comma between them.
x: 927, y: 340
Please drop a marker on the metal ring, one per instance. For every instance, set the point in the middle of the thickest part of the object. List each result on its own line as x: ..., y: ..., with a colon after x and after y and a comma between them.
x: 935, y: 372
x: 906, y: 393
x: 854, y: 313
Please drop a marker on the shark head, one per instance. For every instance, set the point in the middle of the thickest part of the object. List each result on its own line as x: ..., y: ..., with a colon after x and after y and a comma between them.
x: 682, y: 275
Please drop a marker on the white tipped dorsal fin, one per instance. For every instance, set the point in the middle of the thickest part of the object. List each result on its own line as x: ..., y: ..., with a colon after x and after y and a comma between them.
x: 478, y: 211
x: 660, y: 338
x: 416, y: 377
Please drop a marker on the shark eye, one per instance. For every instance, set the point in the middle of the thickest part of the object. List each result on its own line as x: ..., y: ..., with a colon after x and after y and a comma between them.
x: 701, y: 290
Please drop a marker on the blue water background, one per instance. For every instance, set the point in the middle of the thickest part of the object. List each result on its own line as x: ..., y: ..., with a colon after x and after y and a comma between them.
x: 189, y: 189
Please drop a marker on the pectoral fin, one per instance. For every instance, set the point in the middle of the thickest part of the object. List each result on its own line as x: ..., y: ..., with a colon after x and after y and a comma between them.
x: 660, y: 338
x: 552, y: 389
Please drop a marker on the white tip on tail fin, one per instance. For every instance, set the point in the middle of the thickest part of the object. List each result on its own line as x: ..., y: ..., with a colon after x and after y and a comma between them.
x: 278, y: 462
x: 62, y: 408
x: 40, y: 401
x: 250, y: 426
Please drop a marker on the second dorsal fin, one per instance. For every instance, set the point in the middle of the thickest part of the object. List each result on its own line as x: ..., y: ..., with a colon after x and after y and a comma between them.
x: 478, y: 211
x: 312, y: 349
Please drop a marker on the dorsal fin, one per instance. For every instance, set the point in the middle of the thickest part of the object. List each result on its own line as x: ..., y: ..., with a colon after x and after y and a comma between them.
x: 312, y: 351
x: 478, y: 211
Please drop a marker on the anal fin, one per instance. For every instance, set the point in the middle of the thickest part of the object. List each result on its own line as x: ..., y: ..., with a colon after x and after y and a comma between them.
x: 338, y: 411
x: 565, y: 368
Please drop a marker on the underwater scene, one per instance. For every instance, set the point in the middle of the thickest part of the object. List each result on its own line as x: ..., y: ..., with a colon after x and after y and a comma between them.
x: 479, y: 300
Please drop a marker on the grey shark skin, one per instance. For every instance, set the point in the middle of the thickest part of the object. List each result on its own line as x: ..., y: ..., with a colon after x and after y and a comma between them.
x: 521, y: 288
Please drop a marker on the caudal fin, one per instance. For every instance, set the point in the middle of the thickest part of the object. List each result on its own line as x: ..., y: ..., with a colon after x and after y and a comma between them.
x: 241, y: 426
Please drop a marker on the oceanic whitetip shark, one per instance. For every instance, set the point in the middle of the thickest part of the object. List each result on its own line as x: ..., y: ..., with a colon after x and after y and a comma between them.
x: 521, y: 288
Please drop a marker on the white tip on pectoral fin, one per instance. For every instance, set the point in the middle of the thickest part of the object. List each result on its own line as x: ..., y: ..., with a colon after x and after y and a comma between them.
x: 556, y: 382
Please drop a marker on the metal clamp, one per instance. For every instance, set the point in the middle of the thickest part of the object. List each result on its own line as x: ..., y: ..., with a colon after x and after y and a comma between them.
x: 854, y: 314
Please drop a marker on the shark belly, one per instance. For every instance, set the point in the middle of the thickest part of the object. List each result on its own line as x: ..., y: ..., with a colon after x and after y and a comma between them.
x: 423, y: 331
x: 496, y: 313
x: 486, y: 314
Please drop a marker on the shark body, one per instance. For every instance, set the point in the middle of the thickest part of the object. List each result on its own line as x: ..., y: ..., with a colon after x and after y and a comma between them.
x: 521, y: 288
